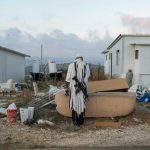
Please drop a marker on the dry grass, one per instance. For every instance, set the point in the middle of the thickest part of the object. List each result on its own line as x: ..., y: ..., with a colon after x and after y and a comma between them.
x: 97, y: 74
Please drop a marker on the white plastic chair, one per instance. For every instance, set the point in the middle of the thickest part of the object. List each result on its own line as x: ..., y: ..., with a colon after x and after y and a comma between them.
x: 9, y: 87
x: 36, y: 90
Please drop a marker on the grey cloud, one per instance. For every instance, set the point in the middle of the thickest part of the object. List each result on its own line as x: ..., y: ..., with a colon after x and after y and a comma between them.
x: 136, y: 24
x: 55, y: 44
x: 13, y: 38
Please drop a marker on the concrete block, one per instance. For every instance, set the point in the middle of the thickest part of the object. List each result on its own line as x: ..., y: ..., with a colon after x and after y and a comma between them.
x: 107, y: 124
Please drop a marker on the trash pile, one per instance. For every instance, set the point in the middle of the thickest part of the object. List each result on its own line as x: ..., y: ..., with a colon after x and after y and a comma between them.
x: 27, y: 113
x: 142, y: 92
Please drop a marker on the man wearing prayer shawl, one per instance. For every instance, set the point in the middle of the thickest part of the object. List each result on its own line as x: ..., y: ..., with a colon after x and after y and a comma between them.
x: 77, y: 78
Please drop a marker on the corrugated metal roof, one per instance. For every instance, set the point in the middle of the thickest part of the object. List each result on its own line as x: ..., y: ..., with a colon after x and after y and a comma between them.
x: 13, y: 51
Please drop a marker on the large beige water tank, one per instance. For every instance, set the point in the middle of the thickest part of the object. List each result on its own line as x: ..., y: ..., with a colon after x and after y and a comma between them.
x: 102, y: 104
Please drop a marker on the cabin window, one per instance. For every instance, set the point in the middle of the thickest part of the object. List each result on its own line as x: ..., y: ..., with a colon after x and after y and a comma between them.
x: 136, y: 54
x: 117, y: 57
x: 106, y: 56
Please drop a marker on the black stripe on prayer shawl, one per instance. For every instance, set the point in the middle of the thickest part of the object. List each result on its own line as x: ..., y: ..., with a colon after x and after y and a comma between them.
x: 75, y: 67
x: 85, y: 70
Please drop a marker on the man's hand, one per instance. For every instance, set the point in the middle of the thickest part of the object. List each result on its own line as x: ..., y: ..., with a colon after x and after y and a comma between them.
x: 67, y: 92
x: 67, y: 89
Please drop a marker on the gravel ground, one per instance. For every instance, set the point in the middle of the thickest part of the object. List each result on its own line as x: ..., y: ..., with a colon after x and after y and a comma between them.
x: 135, y: 131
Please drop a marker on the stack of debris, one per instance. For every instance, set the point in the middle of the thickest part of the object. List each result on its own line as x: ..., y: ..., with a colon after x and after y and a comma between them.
x: 28, y: 112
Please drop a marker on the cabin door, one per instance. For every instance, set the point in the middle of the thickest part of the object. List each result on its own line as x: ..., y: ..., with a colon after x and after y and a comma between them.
x: 144, y: 66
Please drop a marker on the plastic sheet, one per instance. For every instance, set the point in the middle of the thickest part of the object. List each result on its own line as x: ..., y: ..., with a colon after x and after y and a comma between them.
x: 142, y: 93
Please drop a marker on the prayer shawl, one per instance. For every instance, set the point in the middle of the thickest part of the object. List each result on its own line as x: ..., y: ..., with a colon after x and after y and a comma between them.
x: 77, y: 100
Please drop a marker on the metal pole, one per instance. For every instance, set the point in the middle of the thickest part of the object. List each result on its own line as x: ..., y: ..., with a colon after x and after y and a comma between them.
x: 41, y: 58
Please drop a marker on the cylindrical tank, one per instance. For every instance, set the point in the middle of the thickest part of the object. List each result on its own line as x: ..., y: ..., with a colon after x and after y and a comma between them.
x: 52, y: 66
x: 35, y: 66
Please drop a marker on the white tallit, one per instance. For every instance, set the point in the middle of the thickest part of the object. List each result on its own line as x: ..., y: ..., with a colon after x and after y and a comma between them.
x: 77, y: 101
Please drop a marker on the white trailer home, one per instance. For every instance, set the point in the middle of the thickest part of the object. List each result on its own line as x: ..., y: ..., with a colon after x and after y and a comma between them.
x: 12, y: 65
x: 129, y: 52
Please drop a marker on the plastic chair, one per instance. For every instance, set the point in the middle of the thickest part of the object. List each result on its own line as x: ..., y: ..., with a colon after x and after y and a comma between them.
x: 36, y: 90
x: 9, y: 87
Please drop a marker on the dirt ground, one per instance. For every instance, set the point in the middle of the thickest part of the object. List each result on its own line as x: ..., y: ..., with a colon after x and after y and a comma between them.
x: 135, y: 131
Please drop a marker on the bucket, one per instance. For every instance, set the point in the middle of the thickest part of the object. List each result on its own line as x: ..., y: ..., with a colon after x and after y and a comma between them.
x: 30, y: 112
x: 23, y: 114
x: 11, y: 115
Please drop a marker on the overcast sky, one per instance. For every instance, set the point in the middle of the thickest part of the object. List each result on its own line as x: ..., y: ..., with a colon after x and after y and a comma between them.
x: 66, y: 27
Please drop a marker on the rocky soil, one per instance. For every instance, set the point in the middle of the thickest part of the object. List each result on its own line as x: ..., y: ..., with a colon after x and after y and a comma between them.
x: 135, y: 131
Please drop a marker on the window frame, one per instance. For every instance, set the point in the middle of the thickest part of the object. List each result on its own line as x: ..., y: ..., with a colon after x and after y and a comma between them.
x: 136, y: 54
x: 117, y: 57
x: 106, y: 57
